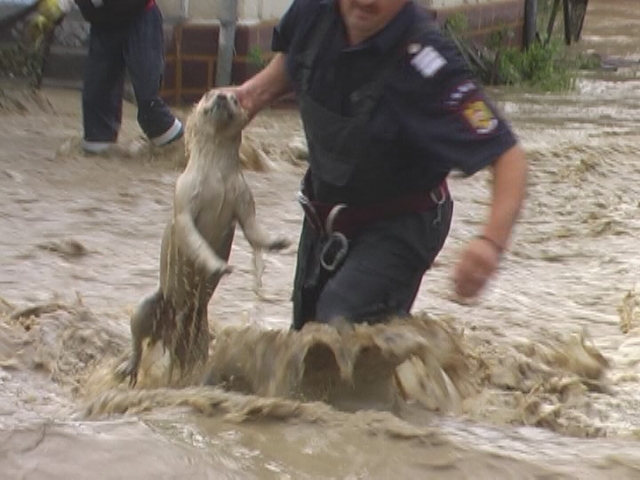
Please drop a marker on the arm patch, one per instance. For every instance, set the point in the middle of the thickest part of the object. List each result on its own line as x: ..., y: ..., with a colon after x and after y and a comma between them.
x: 458, y: 95
x: 479, y: 116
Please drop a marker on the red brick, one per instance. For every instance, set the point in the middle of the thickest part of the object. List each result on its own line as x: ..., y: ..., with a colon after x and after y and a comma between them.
x: 195, y: 74
x: 199, y: 38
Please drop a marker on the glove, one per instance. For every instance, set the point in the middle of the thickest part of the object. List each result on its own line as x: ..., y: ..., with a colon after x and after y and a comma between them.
x: 48, y: 15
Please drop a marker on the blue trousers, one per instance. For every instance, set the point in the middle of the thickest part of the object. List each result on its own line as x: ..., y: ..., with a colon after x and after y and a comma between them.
x: 136, y: 47
x: 380, y: 276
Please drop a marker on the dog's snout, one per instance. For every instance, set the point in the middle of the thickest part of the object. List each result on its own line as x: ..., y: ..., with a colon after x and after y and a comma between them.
x: 222, y: 99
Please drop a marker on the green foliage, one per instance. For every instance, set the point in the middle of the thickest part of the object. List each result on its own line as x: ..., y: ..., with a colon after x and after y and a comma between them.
x: 499, y: 38
x: 257, y: 57
x: 585, y: 61
x: 457, y: 22
x: 547, y: 64
x: 545, y: 67
x: 22, y: 61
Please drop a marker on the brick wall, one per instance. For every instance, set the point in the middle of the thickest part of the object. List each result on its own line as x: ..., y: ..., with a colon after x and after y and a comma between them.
x: 192, y: 46
x: 191, y: 53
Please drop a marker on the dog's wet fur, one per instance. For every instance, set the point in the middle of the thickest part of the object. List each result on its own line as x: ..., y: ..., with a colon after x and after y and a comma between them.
x: 211, y: 196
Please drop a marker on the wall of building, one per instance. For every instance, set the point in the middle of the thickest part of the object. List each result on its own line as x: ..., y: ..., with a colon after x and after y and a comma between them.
x: 208, y: 9
x: 191, y: 45
x: 273, y: 9
x: 485, y: 17
x: 456, y: 3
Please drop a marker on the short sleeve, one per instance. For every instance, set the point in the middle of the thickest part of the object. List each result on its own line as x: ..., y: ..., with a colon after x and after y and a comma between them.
x: 447, y: 116
x: 284, y: 31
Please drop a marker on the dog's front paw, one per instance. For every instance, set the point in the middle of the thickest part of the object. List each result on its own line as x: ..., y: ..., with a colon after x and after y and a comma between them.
x: 226, y: 269
x: 279, y: 243
x: 220, y: 270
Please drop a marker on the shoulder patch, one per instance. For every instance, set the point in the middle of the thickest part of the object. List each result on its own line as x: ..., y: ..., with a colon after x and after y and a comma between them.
x: 480, y: 117
x: 459, y: 94
x: 427, y: 61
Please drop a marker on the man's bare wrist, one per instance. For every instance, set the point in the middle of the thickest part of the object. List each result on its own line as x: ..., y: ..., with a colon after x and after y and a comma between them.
x: 496, y: 246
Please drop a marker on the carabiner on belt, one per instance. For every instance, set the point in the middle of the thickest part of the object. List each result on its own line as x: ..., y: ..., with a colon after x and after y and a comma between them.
x: 334, y: 251
x: 336, y: 248
x: 439, y: 201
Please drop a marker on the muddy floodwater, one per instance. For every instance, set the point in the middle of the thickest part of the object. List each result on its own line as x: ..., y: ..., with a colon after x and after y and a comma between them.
x: 537, y: 378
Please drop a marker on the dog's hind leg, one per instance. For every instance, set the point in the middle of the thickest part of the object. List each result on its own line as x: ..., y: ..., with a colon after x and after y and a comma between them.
x: 143, y: 324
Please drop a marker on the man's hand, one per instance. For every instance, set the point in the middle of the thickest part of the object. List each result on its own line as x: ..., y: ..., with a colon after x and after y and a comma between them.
x: 476, y: 266
x: 48, y: 14
x: 480, y: 259
x: 266, y: 86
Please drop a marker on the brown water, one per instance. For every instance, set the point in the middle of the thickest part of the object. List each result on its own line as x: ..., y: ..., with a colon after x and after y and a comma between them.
x: 538, y: 378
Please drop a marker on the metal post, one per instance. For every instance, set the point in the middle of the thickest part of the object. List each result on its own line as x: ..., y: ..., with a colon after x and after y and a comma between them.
x: 552, y: 21
x: 583, y: 13
x: 530, y: 22
x: 184, y: 9
x: 567, y: 21
x: 226, y: 41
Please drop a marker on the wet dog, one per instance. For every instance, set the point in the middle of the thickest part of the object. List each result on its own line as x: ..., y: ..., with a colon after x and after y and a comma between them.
x: 211, y: 196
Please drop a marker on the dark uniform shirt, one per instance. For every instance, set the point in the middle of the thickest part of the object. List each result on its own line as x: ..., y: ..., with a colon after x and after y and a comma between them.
x: 431, y: 112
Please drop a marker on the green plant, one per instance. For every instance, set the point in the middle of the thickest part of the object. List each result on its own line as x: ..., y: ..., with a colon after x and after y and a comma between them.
x: 22, y: 61
x: 457, y: 22
x: 257, y: 57
x: 585, y: 61
x: 498, y: 38
x: 546, y: 67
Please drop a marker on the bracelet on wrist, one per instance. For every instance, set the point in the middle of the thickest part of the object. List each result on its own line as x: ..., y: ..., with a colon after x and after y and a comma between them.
x: 496, y: 246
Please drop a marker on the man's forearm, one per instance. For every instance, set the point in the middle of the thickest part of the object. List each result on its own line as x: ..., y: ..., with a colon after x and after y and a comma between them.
x: 509, y: 191
x: 266, y: 86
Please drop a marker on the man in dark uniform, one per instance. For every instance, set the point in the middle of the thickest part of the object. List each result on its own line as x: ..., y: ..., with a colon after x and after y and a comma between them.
x: 389, y: 108
x: 125, y: 36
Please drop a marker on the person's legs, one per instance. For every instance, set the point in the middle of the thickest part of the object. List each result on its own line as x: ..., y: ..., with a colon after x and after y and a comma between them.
x: 144, y: 57
x: 383, y: 270
x: 376, y: 282
x: 308, y: 278
x: 102, y: 90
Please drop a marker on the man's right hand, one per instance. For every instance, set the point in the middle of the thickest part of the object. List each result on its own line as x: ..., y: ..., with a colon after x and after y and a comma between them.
x: 263, y: 88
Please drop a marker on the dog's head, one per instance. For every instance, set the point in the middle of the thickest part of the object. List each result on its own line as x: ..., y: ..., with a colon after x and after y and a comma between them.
x: 217, y: 114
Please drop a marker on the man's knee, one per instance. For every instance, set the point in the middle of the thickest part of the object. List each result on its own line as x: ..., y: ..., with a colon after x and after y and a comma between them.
x: 356, y: 306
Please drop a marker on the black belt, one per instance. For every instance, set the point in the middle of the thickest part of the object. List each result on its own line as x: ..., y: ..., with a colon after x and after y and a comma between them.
x: 329, y: 218
x: 337, y: 223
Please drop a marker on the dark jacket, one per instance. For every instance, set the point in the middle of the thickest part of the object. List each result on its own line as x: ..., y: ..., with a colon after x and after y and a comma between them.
x: 111, y: 12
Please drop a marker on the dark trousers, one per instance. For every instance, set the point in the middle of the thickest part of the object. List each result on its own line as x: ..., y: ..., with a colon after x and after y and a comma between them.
x: 136, y: 48
x: 380, y: 276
